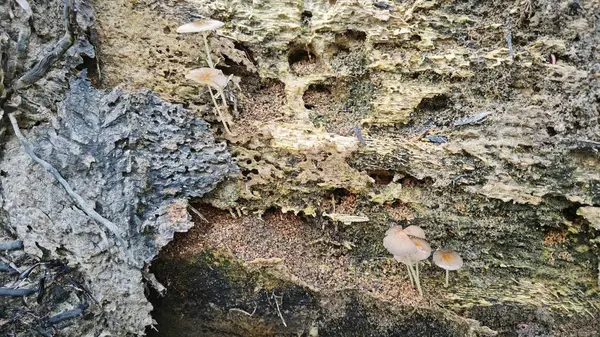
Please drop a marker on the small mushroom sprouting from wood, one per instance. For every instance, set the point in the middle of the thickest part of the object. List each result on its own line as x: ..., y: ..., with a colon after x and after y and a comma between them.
x: 208, y: 76
x: 447, y: 259
x: 212, y: 78
x: 398, y: 243
x: 200, y: 26
x: 408, y: 262
x: 204, y: 27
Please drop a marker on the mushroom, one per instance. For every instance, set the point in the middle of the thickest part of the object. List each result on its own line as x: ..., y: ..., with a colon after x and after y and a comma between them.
x: 403, y: 248
x: 447, y: 259
x: 208, y: 76
x: 398, y: 243
x: 202, y: 26
x: 408, y: 263
x: 422, y: 252
x: 214, y: 78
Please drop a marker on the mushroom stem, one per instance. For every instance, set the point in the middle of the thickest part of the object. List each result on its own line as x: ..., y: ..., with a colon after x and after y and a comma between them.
x: 218, y: 110
x: 224, y: 100
x: 207, y: 50
x: 417, y: 281
x: 447, y: 276
x: 410, y: 276
x: 417, y: 268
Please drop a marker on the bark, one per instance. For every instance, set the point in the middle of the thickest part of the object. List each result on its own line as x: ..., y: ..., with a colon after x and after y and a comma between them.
x: 125, y: 163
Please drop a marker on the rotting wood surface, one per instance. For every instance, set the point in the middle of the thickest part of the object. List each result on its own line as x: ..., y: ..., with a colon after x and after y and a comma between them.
x: 512, y: 191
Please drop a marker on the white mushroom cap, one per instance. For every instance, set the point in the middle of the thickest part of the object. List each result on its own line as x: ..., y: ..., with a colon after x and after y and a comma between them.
x: 447, y: 259
x: 208, y: 76
x: 423, y: 249
x: 200, y: 26
x: 415, y: 231
x: 399, y: 244
x: 393, y: 229
x: 404, y: 259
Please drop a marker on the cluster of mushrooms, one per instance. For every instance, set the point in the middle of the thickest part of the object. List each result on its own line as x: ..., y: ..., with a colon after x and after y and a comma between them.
x: 409, y: 246
x: 211, y: 77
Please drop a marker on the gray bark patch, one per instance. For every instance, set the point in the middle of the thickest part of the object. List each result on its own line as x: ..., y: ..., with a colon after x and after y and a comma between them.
x: 136, y: 160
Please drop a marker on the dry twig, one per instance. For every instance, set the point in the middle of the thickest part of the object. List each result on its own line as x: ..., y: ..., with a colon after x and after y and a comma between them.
x: 11, y: 245
x: 279, y: 311
x: 76, y: 197
x: 41, y: 67
x: 197, y: 212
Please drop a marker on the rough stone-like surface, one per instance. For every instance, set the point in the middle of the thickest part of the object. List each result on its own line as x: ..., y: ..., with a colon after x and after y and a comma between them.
x: 137, y: 160
x: 133, y: 158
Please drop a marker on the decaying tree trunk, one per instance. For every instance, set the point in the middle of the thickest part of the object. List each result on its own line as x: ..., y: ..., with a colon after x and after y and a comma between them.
x: 100, y: 183
x: 475, y: 120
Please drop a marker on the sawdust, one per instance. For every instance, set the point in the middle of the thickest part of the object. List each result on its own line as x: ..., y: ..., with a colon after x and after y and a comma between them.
x: 315, y: 257
x: 399, y: 212
x: 554, y: 238
x: 306, y: 67
x: 262, y: 102
x: 328, y: 105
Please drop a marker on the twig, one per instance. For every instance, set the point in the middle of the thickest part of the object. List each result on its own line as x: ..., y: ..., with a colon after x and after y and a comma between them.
x: 76, y: 198
x: 41, y: 290
x: 154, y: 282
x: 11, y: 264
x: 67, y: 314
x: 359, y: 135
x: 7, y: 268
x: 16, y: 292
x: 22, y: 44
x: 473, y: 119
x: 25, y: 5
x: 44, y: 333
x: 11, y: 245
x: 244, y: 311
x: 279, y: 311
x: 589, y: 143
x: 197, y: 212
x: 81, y: 287
x: 511, y: 52
x: 40, y: 69
x: 25, y: 274
x: 437, y: 139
